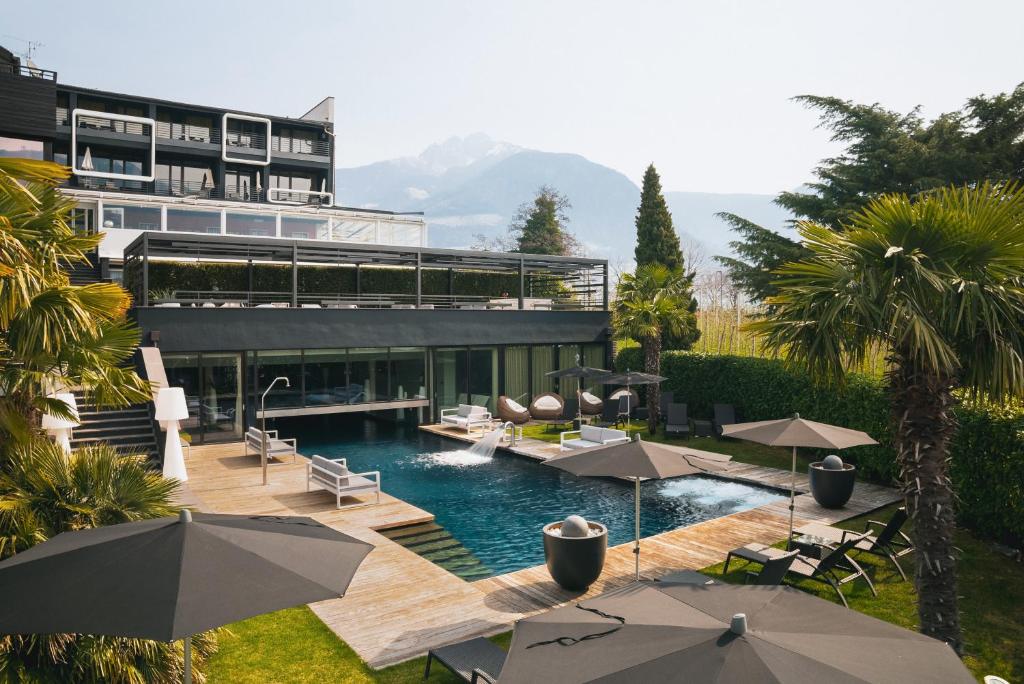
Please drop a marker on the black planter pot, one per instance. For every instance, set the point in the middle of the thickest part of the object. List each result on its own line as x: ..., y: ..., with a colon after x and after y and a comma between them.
x: 575, y: 562
x: 831, y: 488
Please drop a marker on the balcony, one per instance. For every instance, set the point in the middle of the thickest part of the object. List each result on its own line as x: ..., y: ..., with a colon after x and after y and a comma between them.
x: 168, y: 130
x: 286, y: 145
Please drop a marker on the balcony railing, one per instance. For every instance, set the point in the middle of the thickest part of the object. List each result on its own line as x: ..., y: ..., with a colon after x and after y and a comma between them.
x: 101, y: 123
x: 333, y: 300
x: 28, y: 72
x: 190, y: 189
x: 319, y: 148
x: 177, y: 131
x: 252, y: 141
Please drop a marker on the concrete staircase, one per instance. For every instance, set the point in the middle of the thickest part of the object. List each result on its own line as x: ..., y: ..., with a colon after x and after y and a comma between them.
x: 86, y: 273
x: 129, y: 429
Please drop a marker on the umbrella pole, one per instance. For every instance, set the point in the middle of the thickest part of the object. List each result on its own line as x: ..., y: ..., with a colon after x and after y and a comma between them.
x: 792, y: 495
x: 636, y: 549
x: 188, y: 659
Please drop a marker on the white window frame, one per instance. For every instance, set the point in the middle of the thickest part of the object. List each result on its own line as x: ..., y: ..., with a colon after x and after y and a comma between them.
x: 113, y: 117
x: 224, y: 138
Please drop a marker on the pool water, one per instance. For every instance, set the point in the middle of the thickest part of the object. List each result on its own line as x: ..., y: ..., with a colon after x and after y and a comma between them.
x: 497, y: 506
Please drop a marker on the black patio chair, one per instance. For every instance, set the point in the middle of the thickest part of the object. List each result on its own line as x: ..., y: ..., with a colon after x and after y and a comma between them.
x: 610, y: 414
x: 677, y: 423
x: 725, y: 414
x: 664, y: 400
x: 891, y: 542
x: 773, y: 571
x: 474, y: 660
x: 625, y: 407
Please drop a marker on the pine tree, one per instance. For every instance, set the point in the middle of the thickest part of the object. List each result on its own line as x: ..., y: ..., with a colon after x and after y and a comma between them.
x: 539, y: 226
x: 656, y: 239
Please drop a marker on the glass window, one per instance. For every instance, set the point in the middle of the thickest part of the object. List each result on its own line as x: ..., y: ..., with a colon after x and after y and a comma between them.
x: 543, y: 362
x: 305, y: 228
x: 17, y: 147
x: 368, y: 368
x: 193, y: 220
x: 409, y: 234
x: 450, y: 373
x: 568, y: 356
x: 130, y: 216
x: 326, y: 378
x: 273, y: 364
x: 183, y: 371
x: 483, y: 377
x: 251, y: 224
x: 221, y: 400
x: 354, y: 230
x: 517, y: 379
x: 594, y: 357
x: 408, y: 372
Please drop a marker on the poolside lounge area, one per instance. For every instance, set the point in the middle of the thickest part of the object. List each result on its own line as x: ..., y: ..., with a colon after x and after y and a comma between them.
x: 417, y: 605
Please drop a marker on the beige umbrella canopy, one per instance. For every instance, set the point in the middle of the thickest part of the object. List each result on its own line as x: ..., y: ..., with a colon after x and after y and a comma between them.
x: 797, y: 432
x: 636, y: 460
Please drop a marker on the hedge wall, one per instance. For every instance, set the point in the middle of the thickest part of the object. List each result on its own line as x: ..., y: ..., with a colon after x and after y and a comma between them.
x: 987, y: 454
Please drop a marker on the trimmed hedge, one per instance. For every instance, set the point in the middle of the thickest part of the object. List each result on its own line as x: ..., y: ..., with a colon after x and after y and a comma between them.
x: 987, y: 465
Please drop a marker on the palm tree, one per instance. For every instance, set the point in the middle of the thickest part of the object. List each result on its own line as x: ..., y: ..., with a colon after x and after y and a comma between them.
x: 649, y: 304
x: 44, y: 492
x: 939, y: 282
x: 53, y: 334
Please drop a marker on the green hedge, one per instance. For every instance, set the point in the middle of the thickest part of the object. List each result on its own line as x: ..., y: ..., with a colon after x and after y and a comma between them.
x: 987, y: 453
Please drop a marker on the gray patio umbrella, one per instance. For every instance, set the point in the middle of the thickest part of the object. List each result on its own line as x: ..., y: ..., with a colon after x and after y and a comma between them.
x: 797, y: 432
x: 728, y: 634
x: 631, y: 378
x: 580, y: 373
x: 636, y: 460
x: 169, y: 578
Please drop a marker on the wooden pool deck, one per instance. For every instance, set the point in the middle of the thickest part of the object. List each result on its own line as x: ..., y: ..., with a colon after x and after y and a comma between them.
x: 399, y: 604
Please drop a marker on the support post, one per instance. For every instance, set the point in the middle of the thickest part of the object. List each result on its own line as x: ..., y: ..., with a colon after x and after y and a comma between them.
x: 145, y: 269
x: 188, y: 659
x: 249, y: 302
x: 522, y: 281
x: 295, y: 275
x: 636, y: 513
x: 419, y: 279
x: 604, y: 287
x: 359, y: 282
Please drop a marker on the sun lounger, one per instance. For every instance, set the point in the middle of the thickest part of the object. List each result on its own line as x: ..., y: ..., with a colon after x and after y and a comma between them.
x: 773, y: 570
x: 475, y: 660
x: 467, y: 417
x: 890, y: 543
x: 591, y: 436
x: 677, y: 423
x: 334, y: 476
x: 725, y: 414
x: 609, y: 415
x: 276, y: 447
x: 664, y: 400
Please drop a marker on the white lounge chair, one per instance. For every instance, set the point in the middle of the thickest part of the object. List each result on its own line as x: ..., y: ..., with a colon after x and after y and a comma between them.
x: 276, y: 447
x: 467, y: 417
x: 333, y: 475
x: 591, y: 436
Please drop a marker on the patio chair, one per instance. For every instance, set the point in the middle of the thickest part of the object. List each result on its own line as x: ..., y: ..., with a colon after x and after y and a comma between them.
x: 725, y: 414
x: 333, y: 475
x: 825, y: 570
x: 467, y: 417
x: 664, y: 401
x: 547, y: 406
x: 634, y: 398
x: 609, y: 415
x: 511, y: 410
x: 773, y: 571
x: 590, y: 405
x: 625, y: 408
x: 474, y: 660
x: 677, y: 423
x: 276, y: 447
x: 590, y: 436
x: 890, y: 543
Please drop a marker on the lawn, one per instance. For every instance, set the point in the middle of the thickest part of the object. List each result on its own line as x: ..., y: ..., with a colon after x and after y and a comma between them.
x: 294, y: 646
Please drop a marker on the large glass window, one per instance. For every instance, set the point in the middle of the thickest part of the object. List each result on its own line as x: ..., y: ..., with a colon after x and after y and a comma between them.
x: 180, y: 181
x: 354, y: 230
x: 483, y: 377
x: 240, y: 184
x: 305, y: 228
x: 272, y: 364
x: 221, y: 401
x: 594, y: 357
x: 451, y: 368
x: 543, y: 363
x: 193, y: 220
x: 568, y: 356
x: 183, y: 371
x: 368, y: 368
x: 117, y: 216
x: 19, y: 147
x: 326, y: 374
x: 517, y: 378
x: 251, y: 224
x: 408, y: 373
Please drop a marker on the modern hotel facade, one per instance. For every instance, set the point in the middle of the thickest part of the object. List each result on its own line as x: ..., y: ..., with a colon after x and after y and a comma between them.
x: 227, y: 228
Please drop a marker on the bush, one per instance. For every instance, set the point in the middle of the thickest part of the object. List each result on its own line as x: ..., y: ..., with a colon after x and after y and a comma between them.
x: 987, y: 452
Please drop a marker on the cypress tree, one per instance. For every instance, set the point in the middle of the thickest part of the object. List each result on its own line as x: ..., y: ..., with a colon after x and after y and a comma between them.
x: 656, y: 239
x: 539, y: 226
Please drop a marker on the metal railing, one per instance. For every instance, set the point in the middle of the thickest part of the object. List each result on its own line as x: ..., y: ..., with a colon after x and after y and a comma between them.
x: 100, y: 123
x: 252, y: 141
x: 170, y: 130
x: 28, y: 72
x: 241, y: 298
x: 62, y: 116
x: 319, y: 148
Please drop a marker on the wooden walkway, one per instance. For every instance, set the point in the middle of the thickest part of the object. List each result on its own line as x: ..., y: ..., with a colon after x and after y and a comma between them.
x: 400, y: 604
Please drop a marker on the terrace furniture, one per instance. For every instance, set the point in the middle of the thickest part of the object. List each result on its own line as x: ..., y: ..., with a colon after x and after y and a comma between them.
x: 426, y: 306
x: 625, y: 406
x: 333, y: 475
x: 590, y: 405
x: 725, y: 414
x: 511, y: 410
x: 664, y: 400
x: 890, y: 543
x: 826, y: 570
x: 404, y: 306
x: 474, y: 660
x: 773, y: 571
x: 609, y: 415
x: 702, y: 428
x: 467, y: 417
x: 309, y: 306
x: 591, y: 436
x: 479, y: 400
x: 676, y: 422
x: 547, y: 406
x: 276, y: 447
x: 634, y: 398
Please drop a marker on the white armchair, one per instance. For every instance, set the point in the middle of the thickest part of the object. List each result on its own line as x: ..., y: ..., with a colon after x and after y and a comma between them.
x: 334, y: 476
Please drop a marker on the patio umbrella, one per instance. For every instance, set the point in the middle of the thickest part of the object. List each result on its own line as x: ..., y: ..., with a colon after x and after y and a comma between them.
x: 797, y: 432
x: 631, y: 378
x: 580, y: 373
x: 169, y: 578
x: 635, y: 460
x: 729, y: 634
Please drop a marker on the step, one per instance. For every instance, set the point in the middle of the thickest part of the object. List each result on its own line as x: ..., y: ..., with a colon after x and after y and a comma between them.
x: 474, y: 574
x: 424, y: 538
x: 445, y: 554
x: 406, y: 531
x: 92, y: 427
x: 424, y: 549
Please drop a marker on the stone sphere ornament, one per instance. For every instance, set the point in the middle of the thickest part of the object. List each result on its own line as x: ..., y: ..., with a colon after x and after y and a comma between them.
x: 575, y: 526
x: 832, y: 462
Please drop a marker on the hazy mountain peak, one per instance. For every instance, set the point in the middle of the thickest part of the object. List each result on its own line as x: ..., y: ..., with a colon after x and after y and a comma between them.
x: 458, y: 151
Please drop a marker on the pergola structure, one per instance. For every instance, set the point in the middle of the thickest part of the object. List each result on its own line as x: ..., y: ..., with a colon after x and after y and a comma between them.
x: 584, y: 280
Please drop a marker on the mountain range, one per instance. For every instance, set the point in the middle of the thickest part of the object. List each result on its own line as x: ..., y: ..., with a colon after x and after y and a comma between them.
x: 470, y: 186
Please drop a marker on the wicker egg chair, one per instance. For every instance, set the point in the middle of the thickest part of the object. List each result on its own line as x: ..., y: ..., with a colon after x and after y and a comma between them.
x: 554, y: 413
x: 634, y: 398
x: 509, y: 410
x: 590, y: 405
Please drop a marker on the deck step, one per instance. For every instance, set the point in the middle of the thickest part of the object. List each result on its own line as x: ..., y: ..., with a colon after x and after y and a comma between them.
x: 436, y: 544
x: 407, y: 531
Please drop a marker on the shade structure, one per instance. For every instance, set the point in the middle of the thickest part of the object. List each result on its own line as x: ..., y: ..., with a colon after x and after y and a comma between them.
x: 169, y: 578
x: 637, y: 460
x: 797, y: 432
x: 580, y: 373
x: 652, y: 632
x: 631, y: 378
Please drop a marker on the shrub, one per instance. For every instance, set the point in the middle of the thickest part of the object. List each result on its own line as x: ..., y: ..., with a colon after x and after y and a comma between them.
x: 987, y: 452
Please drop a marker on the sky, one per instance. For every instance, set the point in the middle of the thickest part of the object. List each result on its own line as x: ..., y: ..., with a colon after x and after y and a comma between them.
x: 704, y: 90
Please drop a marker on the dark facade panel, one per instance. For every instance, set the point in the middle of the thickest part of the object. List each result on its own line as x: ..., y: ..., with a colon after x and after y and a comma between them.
x: 229, y: 329
x: 27, y: 106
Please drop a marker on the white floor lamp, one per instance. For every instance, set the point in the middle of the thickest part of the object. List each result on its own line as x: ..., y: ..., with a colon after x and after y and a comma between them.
x: 171, y: 408
x: 59, y: 427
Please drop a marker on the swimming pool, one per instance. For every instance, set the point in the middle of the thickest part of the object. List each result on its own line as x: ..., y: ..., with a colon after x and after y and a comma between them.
x: 496, y: 507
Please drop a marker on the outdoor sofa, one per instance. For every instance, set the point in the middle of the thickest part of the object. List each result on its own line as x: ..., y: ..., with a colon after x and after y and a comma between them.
x: 466, y: 417
x: 591, y: 436
x: 334, y: 476
x: 276, y: 447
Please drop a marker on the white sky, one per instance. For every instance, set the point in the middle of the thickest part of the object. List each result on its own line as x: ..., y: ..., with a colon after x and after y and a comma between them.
x: 702, y: 89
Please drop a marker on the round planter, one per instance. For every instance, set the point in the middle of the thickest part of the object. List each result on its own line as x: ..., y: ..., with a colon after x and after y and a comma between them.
x: 575, y: 562
x: 831, y: 488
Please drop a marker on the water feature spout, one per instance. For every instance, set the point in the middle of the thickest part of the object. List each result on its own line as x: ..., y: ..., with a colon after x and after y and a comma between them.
x: 486, y: 445
x: 505, y: 427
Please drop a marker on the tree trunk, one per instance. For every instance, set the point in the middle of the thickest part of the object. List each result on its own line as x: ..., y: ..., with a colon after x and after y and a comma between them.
x: 924, y: 425
x: 652, y: 365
